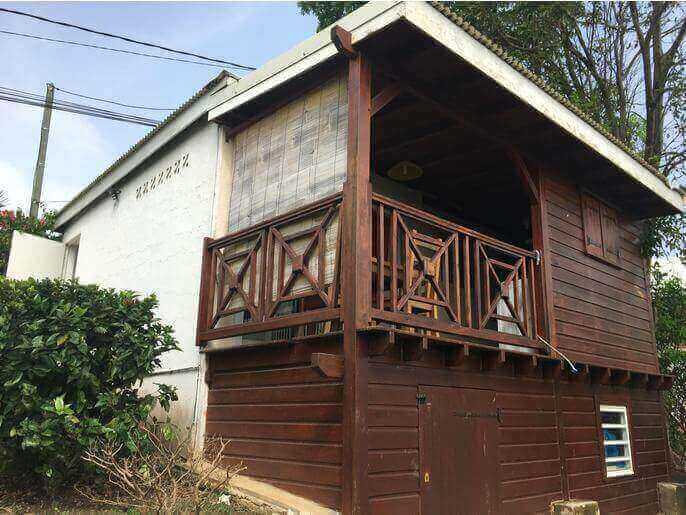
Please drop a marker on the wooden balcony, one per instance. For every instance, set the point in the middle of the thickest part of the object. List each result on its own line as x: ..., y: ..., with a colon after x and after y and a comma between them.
x: 429, y: 276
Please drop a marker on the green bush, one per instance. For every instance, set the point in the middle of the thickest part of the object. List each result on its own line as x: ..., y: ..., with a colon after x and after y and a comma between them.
x: 71, y: 360
x: 669, y: 303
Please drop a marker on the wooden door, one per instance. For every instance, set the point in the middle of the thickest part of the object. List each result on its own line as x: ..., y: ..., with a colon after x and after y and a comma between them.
x: 458, y: 430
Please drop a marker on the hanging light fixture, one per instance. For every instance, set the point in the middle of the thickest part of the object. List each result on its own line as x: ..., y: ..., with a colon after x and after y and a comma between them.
x: 405, y: 171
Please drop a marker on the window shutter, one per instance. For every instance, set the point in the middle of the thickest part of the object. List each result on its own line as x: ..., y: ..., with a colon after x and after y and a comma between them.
x: 610, y: 235
x: 593, y: 234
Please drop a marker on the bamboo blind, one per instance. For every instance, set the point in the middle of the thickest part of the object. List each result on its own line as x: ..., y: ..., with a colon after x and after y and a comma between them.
x: 292, y: 157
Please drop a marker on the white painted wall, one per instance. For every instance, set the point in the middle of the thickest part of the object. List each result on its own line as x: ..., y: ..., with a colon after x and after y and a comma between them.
x: 151, y: 242
x: 33, y: 256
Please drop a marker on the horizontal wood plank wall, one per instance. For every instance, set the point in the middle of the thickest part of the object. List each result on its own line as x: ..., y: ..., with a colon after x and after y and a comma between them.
x: 602, y: 312
x: 530, y: 470
x: 393, y: 419
x: 284, y: 425
x: 585, y: 467
x: 531, y: 449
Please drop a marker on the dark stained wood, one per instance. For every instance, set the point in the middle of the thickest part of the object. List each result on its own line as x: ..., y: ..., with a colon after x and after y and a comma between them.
x: 342, y: 39
x: 356, y: 282
x: 284, y: 425
x: 525, y: 177
x: 328, y: 364
x: 385, y: 97
x: 459, y: 466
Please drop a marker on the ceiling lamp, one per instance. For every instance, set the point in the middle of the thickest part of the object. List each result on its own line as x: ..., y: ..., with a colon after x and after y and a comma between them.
x: 405, y: 171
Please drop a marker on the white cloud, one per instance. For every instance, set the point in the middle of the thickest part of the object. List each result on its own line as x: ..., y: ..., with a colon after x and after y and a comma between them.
x: 13, y: 182
x: 77, y: 152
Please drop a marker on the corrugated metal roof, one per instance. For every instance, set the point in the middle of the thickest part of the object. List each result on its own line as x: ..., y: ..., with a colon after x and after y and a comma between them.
x: 222, y: 75
x: 541, y: 83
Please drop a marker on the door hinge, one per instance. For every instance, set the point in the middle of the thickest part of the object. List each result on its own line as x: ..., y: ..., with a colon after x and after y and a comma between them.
x: 421, y: 398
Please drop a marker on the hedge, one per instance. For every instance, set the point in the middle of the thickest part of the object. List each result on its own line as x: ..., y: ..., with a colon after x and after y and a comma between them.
x: 72, y: 357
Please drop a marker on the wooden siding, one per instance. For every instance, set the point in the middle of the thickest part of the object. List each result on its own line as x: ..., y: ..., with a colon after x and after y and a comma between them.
x: 292, y: 157
x: 585, y: 467
x: 283, y: 422
x: 548, y: 440
x: 602, y: 312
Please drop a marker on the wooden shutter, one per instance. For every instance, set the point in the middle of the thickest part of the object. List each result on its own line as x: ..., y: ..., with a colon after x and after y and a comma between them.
x: 610, y: 232
x: 593, y: 233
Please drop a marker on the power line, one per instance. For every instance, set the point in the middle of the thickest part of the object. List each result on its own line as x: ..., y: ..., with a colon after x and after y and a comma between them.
x: 127, y: 39
x: 98, y: 47
x: 35, y: 100
x: 113, y: 102
x: 34, y: 97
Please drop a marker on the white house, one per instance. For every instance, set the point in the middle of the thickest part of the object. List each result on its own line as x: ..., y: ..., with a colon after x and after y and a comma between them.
x: 140, y: 225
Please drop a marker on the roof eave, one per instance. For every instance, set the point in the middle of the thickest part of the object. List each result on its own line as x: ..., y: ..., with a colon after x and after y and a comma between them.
x: 490, y: 60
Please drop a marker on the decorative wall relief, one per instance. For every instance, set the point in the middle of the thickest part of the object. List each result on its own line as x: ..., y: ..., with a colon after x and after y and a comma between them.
x: 163, y: 176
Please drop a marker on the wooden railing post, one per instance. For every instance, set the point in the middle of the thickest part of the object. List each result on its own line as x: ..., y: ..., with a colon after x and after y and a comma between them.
x: 356, y: 285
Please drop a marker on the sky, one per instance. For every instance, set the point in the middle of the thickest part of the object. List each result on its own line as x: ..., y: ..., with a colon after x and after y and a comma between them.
x: 81, y: 147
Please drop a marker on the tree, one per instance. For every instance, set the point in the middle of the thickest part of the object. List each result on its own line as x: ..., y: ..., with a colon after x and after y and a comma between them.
x: 669, y: 303
x: 623, y: 63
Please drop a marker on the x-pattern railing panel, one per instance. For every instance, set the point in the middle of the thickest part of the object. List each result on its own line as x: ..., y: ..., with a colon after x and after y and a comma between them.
x: 294, y: 258
x: 465, y: 280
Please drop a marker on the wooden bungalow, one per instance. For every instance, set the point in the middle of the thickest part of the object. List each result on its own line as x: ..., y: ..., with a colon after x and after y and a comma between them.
x: 430, y: 297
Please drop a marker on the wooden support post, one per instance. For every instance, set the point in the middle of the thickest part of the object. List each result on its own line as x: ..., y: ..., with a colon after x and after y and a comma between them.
x: 540, y: 232
x: 356, y: 282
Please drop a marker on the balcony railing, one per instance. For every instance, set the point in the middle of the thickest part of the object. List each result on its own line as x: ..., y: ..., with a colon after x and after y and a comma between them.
x: 429, y: 276
x: 446, y: 279
x: 279, y: 274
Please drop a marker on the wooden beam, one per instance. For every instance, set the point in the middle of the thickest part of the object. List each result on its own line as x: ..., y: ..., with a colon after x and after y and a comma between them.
x: 524, y: 176
x: 329, y: 365
x: 386, y: 96
x: 356, y: 285
x: 342, y: 40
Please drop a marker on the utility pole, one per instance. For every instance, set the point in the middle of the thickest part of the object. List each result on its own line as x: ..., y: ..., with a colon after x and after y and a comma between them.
x: 42, y: 150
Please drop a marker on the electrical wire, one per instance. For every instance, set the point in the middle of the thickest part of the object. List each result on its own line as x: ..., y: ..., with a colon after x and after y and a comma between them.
x: 113, y: 102
x: 25, y: 97
x: 98, y: 47
x: 72, y: 107
x: 127, y: 39
x: 39, y: 98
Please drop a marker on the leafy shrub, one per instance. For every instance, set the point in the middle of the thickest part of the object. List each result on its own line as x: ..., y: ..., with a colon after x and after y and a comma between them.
x: 11, y: 221
x: 669, y: 303
x: 71, y: 359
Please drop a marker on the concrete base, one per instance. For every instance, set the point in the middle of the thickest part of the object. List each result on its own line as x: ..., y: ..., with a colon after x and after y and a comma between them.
x: 574, y: 507
x: 672, y: 497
